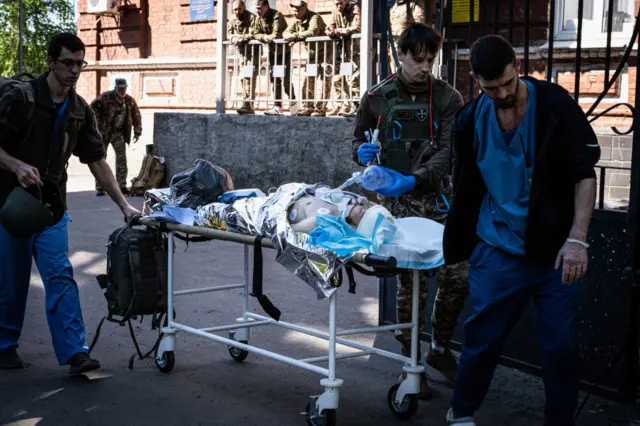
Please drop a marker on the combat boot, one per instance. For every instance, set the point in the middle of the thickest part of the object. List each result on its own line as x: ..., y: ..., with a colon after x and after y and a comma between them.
x: 9, y: 359
x: 347, y: 111
x: 246, y: 109
x: 444, y: 362
x: 304, y: 113
x: 334, y: 112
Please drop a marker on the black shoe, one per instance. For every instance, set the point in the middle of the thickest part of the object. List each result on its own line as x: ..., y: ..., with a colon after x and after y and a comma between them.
x: 100, y: 193
x: 82, y: 363
x: 9, y: 359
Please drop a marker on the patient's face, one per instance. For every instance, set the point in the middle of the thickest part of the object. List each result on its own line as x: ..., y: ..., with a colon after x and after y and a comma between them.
x: 358, y: 210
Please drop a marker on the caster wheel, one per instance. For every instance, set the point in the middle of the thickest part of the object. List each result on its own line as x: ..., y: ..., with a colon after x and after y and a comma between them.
x: 326, y: 418
x: 166, y: 363
x: 236, y: 353
x: 407, y: 408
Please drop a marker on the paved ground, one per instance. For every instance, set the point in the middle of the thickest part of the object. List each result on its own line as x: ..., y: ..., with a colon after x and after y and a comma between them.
x: 207, y: 387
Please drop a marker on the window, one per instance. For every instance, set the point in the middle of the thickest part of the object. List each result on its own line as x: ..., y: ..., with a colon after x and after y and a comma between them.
x: 594, y: 21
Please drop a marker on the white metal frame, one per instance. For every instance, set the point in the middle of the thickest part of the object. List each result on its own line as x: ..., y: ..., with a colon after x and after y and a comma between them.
x: 329, y: 400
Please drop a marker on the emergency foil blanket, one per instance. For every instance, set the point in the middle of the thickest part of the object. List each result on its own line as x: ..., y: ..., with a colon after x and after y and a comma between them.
x: 267, y: 217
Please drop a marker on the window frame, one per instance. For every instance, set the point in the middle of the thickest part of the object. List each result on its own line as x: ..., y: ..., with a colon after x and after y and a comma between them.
x: 592, y: 35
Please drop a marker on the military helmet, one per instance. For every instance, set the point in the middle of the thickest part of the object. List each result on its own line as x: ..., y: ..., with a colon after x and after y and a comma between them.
x: 28, y: 211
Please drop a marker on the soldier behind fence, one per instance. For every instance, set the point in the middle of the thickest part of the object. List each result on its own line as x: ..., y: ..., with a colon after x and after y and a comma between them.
x: 116, y: 113
x: 416, y: 113
x: 240, y: 33
x: 310, y: 24
x: 401, y: 17
x: 346, y: 21
x: 269, y: 26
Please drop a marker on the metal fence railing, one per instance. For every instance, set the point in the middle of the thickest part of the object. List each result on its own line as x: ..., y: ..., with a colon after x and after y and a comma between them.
x: 318, y: 76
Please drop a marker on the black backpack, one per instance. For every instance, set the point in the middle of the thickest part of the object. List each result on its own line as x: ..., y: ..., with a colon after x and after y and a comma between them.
x: 135, y: 284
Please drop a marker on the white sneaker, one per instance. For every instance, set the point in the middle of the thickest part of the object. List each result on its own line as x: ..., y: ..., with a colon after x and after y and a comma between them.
x: 461, y: 421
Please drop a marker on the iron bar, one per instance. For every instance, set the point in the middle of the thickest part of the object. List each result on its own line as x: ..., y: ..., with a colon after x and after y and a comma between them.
x: 471, y: 16
x: 576, y: 93
x: 552, y: 34
x: 511, y: 21
x: 527, y: 29
x: 449, y: 40
x: 483, y: 18
x: 631, y: 385
x: 607, y: 59
x: 603, y: 176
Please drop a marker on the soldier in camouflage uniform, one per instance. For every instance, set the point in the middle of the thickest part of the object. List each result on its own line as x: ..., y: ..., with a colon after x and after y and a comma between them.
x: 116, y: 113
x: 401, y: 17
x: 310, y: 24
x: 417, y: 112
x: 240, y: 33
x: 269, y: 26
x: 346, y: 21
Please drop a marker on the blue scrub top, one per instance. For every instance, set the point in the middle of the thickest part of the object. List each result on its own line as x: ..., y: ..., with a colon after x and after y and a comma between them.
x: 506, y: 162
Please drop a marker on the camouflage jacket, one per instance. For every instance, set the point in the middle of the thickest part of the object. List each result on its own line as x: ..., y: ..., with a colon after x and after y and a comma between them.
x: 347, y: 23
x: 432, y: 164
x: 271, y: 26
x: 241, y: 29
x: 398, y: 15
x: 311, y: 26
x: 106, y: 108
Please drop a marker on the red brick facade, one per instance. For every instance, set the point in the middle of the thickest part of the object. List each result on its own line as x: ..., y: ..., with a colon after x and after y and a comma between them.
x: 171, y: 61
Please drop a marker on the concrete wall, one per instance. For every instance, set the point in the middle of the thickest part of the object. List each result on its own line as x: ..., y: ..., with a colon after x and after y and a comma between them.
x: 288, y: 149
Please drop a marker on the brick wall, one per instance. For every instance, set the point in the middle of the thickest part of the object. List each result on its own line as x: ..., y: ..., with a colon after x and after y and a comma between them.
x: 152, y: 35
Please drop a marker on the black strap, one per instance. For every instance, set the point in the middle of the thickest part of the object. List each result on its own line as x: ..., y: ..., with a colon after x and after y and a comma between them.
x: 352, y: 279
x: 135, y: 342
x: 95, y: 338
x: 264, y: 301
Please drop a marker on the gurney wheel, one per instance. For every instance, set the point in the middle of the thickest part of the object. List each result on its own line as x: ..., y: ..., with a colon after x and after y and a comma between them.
x: 238, y: 354
x: 407, y: 408
x: 327, y: 418
x: 167, y: 362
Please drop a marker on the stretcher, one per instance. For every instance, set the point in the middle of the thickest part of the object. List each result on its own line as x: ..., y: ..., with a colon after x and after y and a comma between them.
x: 321, y: 409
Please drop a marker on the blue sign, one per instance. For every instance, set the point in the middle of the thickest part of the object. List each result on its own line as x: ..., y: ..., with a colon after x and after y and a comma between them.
x: 201, y: 10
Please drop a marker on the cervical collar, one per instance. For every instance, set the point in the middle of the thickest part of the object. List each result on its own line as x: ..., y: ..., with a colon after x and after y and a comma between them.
x: 368, y: 222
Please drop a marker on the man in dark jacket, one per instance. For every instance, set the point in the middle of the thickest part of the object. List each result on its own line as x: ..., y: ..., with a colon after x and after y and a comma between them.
x: 524, y: 192
x: 38, y: 135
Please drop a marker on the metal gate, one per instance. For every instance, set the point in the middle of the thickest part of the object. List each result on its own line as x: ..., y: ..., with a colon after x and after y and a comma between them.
x: 608, y: 315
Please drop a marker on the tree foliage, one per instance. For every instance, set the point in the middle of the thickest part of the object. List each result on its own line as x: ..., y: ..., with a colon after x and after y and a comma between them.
x: 42, y: 19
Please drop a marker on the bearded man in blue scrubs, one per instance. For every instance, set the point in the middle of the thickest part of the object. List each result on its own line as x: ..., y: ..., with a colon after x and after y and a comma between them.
x: 524, y: 192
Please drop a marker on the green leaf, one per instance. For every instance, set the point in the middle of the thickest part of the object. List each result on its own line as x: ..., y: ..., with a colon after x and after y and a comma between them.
x: 42, y: 20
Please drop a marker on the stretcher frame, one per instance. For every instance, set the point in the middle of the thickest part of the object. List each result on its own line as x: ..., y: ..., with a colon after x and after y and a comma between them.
x: 321, y: 410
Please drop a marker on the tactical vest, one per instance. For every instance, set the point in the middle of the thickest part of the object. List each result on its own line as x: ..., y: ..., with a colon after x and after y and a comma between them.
x: 408, y: 131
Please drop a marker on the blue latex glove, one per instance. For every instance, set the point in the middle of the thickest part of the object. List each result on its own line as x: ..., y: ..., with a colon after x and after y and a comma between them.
x: 401, y: 184
x: 367, y: 152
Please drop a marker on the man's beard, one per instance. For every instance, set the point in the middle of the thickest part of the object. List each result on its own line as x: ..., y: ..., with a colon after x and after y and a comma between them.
x: 509, y: 101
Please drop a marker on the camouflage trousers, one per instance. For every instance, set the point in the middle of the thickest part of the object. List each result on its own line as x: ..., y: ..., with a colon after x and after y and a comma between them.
x: 120, y: 148
x: 452, y: 280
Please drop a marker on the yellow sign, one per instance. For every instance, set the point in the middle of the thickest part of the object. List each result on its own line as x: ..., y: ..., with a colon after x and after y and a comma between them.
x: 461, y: 9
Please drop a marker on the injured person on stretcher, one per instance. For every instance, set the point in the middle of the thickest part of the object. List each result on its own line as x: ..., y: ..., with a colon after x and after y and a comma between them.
x: 317, y: 229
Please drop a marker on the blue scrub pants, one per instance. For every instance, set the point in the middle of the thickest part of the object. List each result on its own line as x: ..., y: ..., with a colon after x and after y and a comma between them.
x: 501, y: 285
x: 50, y: 249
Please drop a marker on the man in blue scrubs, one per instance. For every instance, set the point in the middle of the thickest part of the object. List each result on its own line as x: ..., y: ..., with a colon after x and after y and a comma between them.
x: 524, y: 192
x: 42, y: 123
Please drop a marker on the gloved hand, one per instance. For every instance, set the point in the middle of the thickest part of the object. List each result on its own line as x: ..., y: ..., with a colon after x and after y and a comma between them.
x: 401, y: 184
x: 367, y: 152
